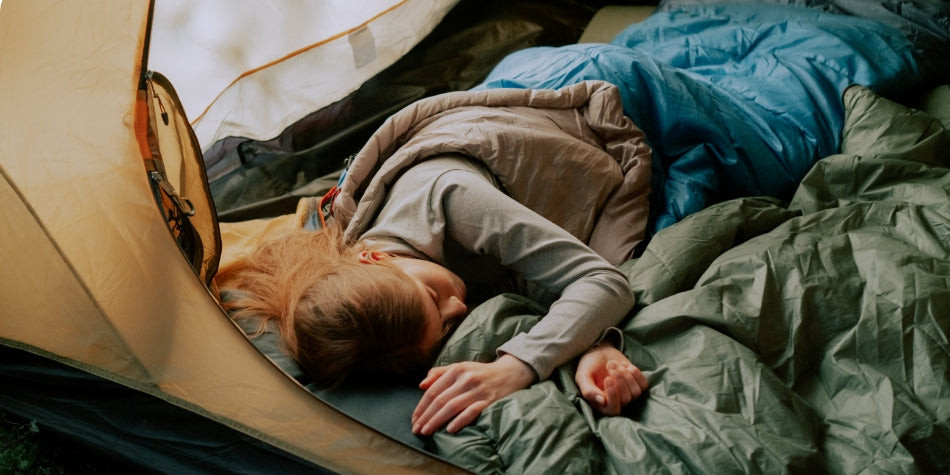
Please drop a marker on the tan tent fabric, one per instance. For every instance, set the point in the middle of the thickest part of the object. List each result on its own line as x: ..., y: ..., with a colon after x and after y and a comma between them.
x: 226, y: 58
x: 91, y: 274
x: 241, y: 237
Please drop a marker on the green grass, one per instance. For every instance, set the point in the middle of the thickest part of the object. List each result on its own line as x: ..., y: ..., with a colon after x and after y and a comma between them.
x: 26, y: 448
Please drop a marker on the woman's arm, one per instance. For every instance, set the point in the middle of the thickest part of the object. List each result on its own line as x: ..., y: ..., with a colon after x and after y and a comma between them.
x: 585, y: 294
x: 589, y: 295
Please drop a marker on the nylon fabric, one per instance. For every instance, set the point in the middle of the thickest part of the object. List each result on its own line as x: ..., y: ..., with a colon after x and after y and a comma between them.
x: 736, y: 99
x: 777, y: 338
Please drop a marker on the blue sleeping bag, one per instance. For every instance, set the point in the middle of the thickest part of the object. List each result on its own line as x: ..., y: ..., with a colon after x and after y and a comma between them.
x: 737, y: 99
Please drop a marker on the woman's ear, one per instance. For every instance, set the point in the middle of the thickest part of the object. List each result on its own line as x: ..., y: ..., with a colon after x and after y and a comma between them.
x: 370, y: 257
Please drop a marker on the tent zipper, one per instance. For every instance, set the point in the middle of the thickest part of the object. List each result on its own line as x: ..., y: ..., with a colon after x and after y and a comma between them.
x: 183, y: 204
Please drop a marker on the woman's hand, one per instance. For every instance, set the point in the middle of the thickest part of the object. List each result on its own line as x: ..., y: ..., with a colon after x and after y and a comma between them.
x: 459, y: 392
x: 607, y: 379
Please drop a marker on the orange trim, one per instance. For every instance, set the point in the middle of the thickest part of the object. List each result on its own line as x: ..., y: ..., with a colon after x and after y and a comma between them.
x: 296, y: 53
x: 140, y: 124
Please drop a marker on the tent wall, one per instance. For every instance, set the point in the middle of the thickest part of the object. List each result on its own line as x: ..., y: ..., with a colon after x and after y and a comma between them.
x: 228, y: 57
x: 262, y: 178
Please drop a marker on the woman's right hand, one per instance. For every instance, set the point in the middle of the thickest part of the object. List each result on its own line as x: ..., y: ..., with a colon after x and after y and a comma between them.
x: 456, y: 394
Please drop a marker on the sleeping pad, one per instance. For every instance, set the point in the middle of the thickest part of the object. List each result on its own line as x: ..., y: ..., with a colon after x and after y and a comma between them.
x: 738, y: 99
x: 811, y: 336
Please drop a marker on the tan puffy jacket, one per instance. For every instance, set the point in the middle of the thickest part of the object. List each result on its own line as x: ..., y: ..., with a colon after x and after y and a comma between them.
x: 568, y: 154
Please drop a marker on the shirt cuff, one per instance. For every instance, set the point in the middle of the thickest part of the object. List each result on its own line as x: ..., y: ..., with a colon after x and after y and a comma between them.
x: 612, y: 336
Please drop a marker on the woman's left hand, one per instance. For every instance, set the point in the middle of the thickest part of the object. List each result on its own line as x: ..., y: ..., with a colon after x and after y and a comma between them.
x: 608, y: 380
x: 456, y: 394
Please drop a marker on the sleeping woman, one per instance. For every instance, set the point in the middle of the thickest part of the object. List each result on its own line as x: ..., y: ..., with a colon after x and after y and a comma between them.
x: 513, y: 206
x: 537, y: 183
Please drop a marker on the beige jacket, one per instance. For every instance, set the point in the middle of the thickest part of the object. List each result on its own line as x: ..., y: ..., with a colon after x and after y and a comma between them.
x: 568, y: 154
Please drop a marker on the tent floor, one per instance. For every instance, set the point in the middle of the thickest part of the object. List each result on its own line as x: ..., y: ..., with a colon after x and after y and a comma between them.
x: 128, y: 426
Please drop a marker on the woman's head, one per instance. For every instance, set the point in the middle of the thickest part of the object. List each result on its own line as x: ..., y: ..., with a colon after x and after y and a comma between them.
x: 443, y: 292
x: 358, y: 319
x: 342, y: 310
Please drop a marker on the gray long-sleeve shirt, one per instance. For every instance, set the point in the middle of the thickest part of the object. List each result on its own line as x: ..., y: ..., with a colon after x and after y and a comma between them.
x: 452, y: 211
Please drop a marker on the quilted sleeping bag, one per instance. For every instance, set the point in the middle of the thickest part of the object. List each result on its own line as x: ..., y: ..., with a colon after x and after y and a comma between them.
x: 812, y: 336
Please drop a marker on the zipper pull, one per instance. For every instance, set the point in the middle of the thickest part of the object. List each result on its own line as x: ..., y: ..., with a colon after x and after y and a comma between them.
x: 161, y: 105
x: 183, y: 204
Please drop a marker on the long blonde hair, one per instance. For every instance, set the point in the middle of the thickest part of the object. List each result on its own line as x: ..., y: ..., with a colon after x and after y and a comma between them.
x: 336, y: 316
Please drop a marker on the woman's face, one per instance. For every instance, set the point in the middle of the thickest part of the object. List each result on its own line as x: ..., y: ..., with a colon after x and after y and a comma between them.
x: 443, y: 292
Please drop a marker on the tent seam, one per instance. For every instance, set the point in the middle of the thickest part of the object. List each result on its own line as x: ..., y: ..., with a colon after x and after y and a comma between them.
x: 72, y: 270
x: 292, y: 54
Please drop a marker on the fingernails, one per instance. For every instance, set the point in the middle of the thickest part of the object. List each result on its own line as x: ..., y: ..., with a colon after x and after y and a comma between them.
x: 416, y: 429
x: 599, y: 399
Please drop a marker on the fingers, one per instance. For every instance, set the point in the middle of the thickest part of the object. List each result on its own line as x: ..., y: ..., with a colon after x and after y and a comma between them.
x: 595, y: 396
x: 621, y: 381
x: 633, y: 382
x: 453, y: 404
x: 627, y: 383
x: 457, y: 394
x: 431, y: 376
x: 466, y: 417
x: 434, y: 397
x: 623, y: 384
x: 612, y: 391
x: 452, y: 396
